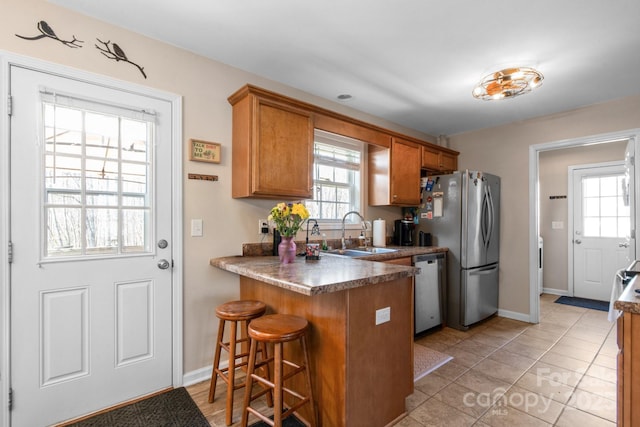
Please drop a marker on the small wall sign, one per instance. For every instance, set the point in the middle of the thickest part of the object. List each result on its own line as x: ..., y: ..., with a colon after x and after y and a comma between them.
x: 203, y: 151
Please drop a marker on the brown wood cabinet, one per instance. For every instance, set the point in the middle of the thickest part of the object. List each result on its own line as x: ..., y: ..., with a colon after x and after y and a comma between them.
x: 628, y: 369
x: 394, y: 174
x: 361, y: 372
x: 272, y: 148
x: 436, y: 159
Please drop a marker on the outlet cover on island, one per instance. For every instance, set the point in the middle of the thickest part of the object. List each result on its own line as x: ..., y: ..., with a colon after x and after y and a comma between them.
x: 383, y: 315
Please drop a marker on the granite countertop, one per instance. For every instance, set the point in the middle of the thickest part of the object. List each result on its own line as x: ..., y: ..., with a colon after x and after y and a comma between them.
x: 331, y: 273
x: 629, y: 301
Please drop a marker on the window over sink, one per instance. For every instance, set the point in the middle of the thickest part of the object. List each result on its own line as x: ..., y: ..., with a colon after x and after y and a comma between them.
x: 337, y: 178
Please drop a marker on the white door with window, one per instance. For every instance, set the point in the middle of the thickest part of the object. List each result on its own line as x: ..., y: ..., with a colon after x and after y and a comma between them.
x: 601, y: 227
x: 91, y: 276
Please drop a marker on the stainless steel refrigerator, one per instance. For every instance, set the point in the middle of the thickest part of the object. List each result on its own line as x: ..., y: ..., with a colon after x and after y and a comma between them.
x: 462, y: 212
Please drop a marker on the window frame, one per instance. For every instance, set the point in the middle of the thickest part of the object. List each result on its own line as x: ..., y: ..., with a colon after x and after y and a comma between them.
x: 352, y: 222
x: 87, y: 106
x: 587, y: 198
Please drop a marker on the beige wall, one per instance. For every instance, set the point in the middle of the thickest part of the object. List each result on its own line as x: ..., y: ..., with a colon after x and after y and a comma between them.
x: 553, y: 181
x: 204, y: 86
x: 504, y: 151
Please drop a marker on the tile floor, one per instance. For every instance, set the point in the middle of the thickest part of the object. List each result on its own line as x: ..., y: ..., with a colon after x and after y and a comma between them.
x: 560, y: 372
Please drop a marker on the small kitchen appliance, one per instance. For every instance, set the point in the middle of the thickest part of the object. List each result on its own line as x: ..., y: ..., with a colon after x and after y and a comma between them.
x: 403, y: 232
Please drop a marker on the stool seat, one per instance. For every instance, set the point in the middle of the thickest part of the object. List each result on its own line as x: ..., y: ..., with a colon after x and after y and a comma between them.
x: 278, y: 328
x: 241, y: 310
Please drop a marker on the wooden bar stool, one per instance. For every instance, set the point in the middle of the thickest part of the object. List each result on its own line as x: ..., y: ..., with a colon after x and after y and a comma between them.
x: 277, y: 329
x: 234, y: 312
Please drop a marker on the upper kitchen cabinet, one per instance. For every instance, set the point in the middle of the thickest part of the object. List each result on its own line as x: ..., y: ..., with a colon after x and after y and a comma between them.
x: 272, y: 152
x: 273, y: 138
x: 439, y: 160
x: 394, y: 173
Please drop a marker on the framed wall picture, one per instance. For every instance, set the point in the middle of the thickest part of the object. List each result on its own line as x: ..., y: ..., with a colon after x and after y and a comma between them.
x: 204, y: 151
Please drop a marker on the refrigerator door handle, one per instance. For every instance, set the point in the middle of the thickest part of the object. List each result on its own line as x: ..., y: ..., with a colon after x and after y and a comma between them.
x: 491, y: 212
x: 485, y: 271
x: 485, y: 222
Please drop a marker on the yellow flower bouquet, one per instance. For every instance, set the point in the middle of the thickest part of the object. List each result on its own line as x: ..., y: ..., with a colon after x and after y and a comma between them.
x: 288, y: 218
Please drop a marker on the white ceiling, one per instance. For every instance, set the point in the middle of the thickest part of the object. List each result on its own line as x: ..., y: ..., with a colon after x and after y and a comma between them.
x: 413, y: 62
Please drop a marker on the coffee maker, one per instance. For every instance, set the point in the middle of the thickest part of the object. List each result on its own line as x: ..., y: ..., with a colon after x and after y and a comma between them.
x: 403, y: 232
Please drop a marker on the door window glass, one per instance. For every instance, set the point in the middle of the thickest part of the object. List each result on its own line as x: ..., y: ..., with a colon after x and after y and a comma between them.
x: 97, y: 163
x: 604, y: 211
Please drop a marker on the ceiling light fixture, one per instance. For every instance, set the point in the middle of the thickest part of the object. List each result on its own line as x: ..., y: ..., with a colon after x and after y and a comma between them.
x: 344, y: 97
x: 508, y: 83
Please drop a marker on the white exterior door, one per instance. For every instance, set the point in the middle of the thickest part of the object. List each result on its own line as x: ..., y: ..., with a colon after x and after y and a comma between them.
x: 90, y: 213
x: 601, y: 226
x: 628, y: 194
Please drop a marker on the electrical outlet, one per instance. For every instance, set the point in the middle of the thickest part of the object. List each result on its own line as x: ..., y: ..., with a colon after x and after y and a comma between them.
x: 383, y: 315
x: 263, y: 226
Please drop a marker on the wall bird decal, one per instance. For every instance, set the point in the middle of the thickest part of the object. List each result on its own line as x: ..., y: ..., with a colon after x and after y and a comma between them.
x: 115, y: 52
x: 46, y: 31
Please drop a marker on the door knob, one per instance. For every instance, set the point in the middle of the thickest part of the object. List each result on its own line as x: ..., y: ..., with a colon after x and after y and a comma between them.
x: 163, y: 264
x: 578, y: 241
x: 623, y: 245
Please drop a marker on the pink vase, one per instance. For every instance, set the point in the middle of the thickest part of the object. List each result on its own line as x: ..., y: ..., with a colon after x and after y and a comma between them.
x: 287, y: 250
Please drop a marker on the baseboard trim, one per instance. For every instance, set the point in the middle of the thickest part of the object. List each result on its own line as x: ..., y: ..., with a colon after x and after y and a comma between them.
x: 523, y: 317
x: 560, y: 292
x: 200, y: 375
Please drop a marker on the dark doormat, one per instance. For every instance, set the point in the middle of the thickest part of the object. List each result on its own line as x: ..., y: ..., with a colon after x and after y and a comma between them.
x: 291, y: 421
x: 174, y: 408
x: 584, y: 302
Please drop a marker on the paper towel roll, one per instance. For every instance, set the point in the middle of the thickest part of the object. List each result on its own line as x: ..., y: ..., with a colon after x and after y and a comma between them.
x: 379, y: 232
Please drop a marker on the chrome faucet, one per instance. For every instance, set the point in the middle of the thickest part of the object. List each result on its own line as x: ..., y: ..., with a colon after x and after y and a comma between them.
x: 364, y: 226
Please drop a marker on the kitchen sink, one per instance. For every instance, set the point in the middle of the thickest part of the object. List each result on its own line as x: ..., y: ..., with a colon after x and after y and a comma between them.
x: 377, y: 250
x: 360, y: 251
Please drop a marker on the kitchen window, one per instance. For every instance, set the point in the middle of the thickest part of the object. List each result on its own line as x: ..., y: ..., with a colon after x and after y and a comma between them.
x: 337, y: 178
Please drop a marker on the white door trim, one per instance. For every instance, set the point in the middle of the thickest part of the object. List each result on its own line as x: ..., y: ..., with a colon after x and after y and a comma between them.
x: 6, y: 60
x: 571, y: 213
x: 534, y: 191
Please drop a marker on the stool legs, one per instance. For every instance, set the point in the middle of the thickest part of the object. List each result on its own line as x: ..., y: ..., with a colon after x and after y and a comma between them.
x: 277, y: 379
x: 249, y: 384
x: 216, y: 361
x: 277, y: 385
x: 231, y: 369
x: 303, y: 341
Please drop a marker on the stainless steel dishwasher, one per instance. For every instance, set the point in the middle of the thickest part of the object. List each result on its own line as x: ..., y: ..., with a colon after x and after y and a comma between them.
x: 429, y: 291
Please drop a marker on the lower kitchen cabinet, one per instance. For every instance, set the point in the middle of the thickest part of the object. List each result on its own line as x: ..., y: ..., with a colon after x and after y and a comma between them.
x: 628, y: 369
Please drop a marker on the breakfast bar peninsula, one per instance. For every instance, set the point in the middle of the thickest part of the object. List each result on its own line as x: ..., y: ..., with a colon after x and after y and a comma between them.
x: 361, y: 337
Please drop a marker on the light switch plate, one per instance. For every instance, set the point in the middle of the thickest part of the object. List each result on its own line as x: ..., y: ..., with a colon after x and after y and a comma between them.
x: 196, y: 228
x: 383, y: 315
x: 557, y: 225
